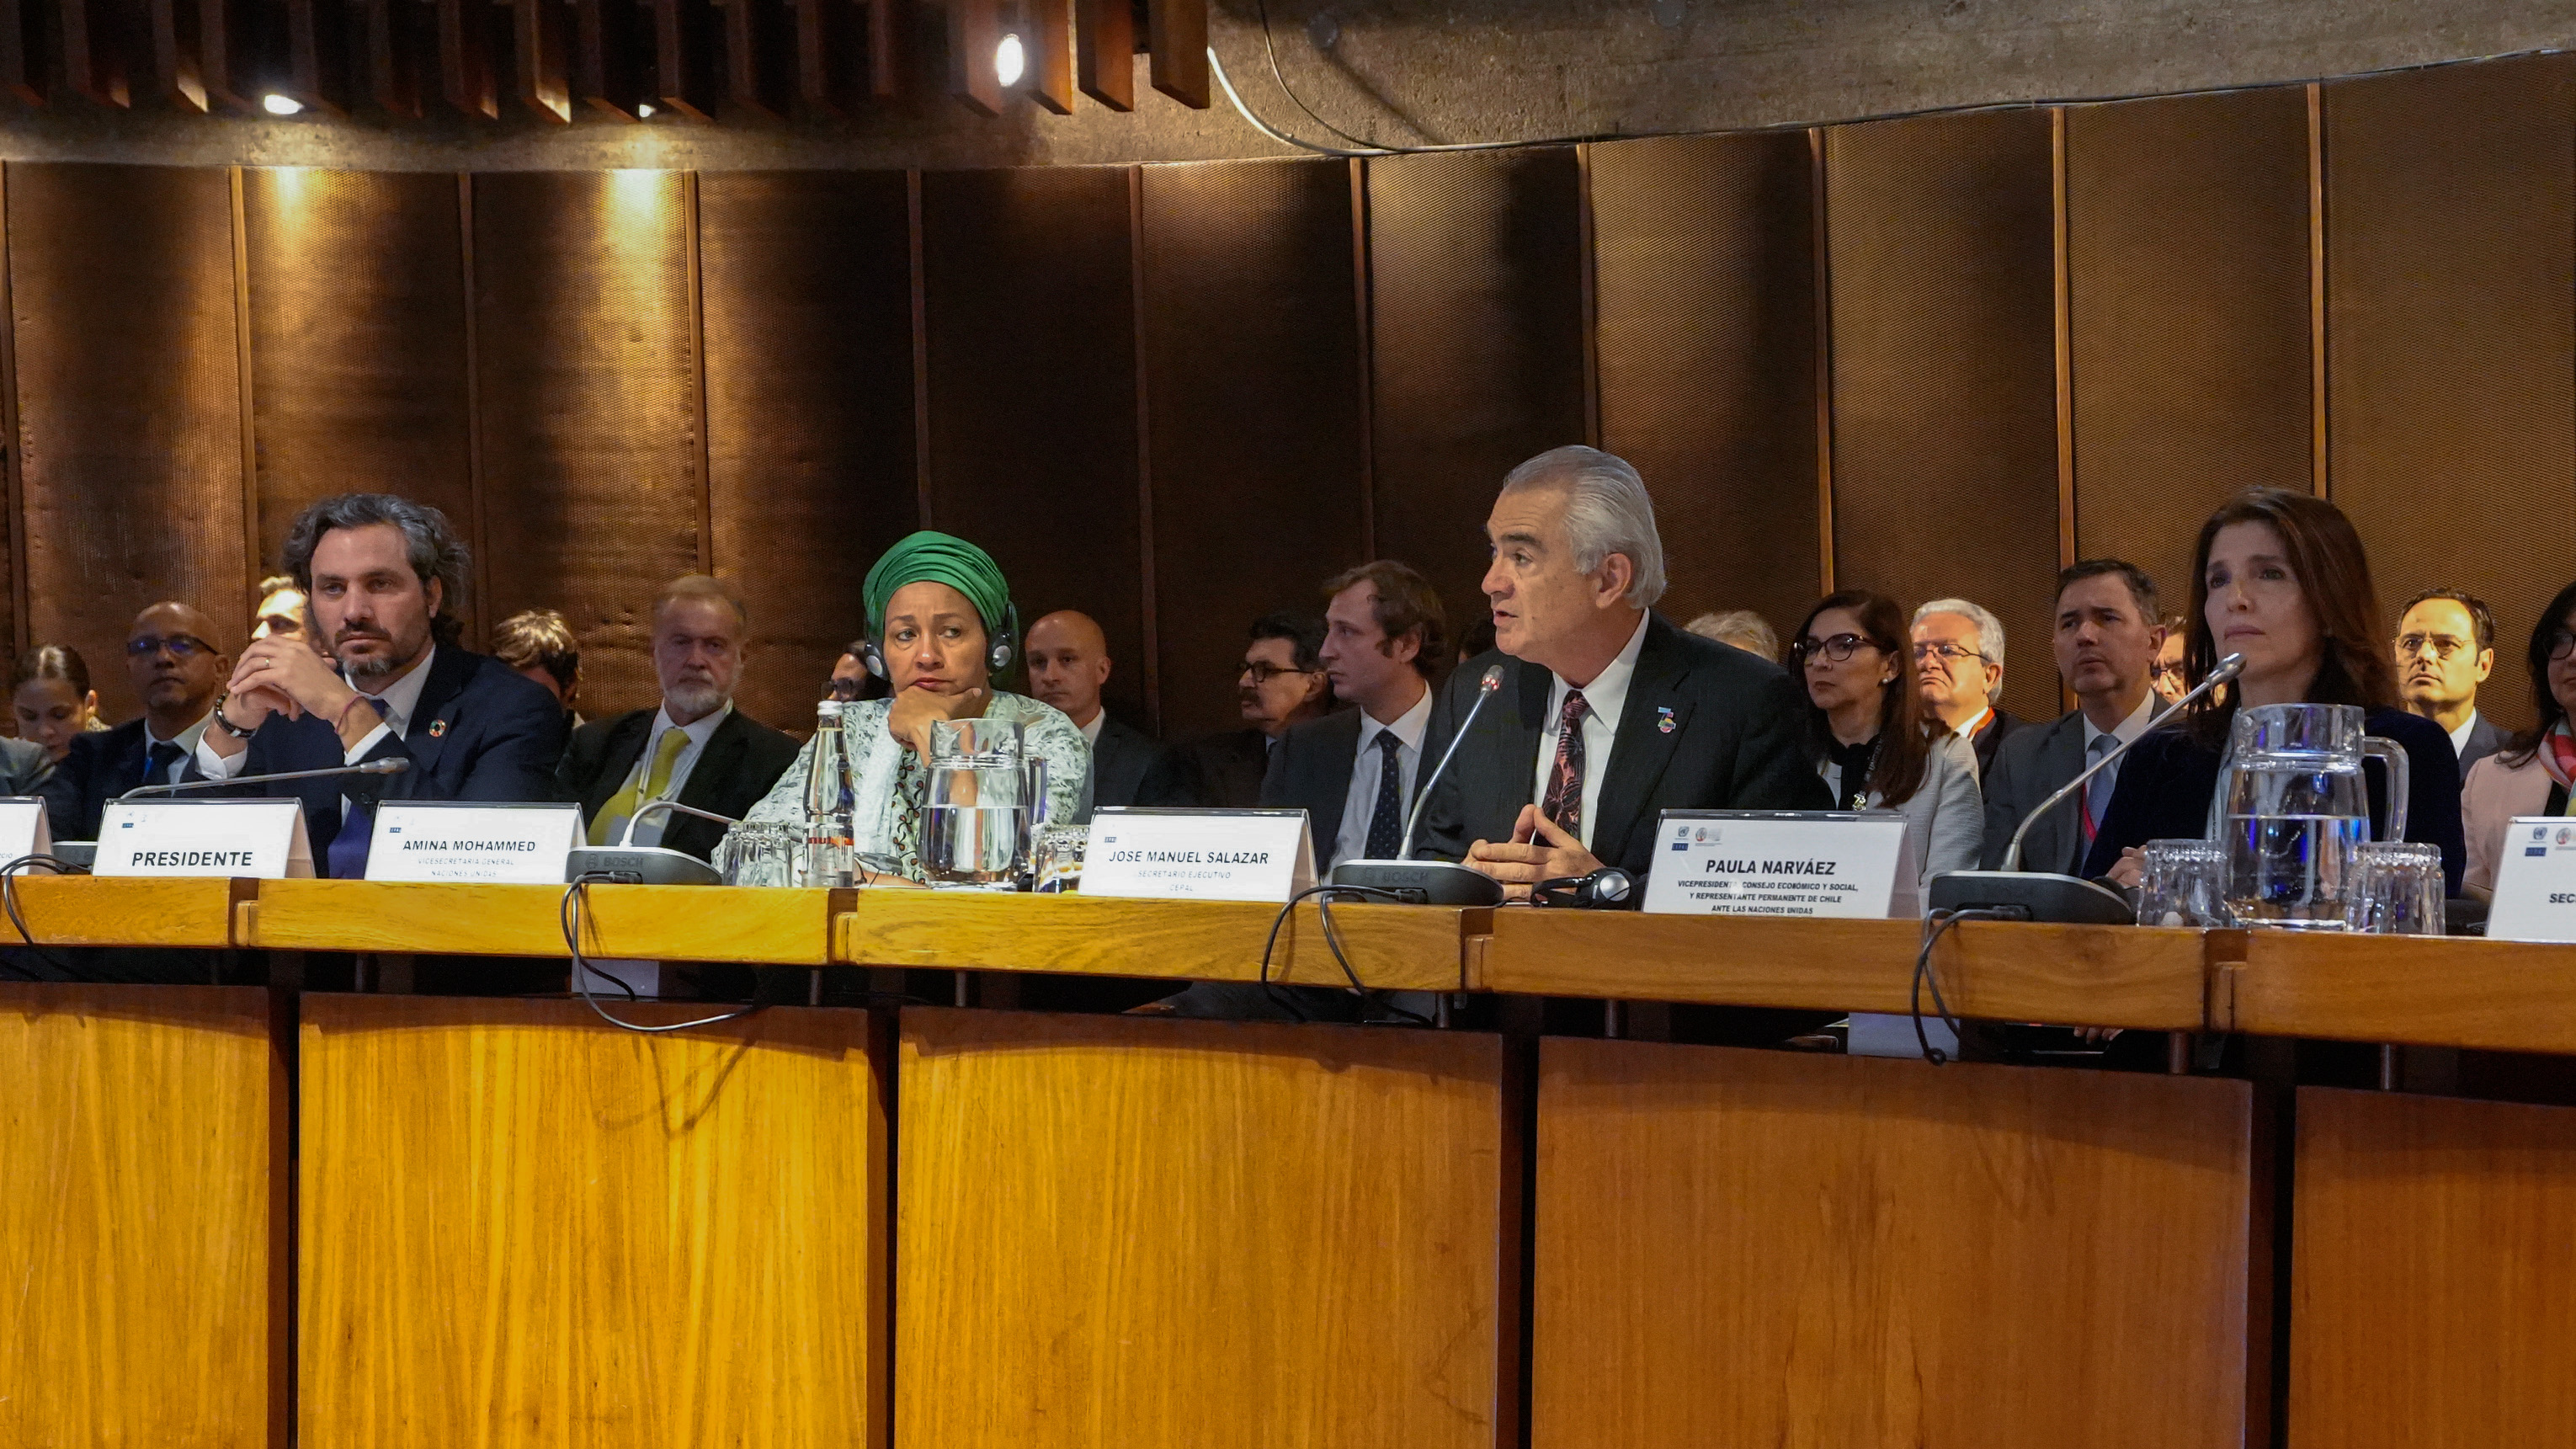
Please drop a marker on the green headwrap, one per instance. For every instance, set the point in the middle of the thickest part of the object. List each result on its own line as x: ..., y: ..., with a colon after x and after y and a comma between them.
x: 938, y: 558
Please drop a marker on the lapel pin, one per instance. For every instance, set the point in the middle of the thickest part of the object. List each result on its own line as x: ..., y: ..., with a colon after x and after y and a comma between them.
x: 1664, y: 720
x: 437, y: 727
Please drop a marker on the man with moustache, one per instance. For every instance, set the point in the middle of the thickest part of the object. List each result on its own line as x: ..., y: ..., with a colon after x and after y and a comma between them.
x: 2106, y: 641
x: 2445, y: 650
x: 1068, y: 657
x: 1282, y: 684
x: 696, y: 749
x: 177, y: 671
x: 380, y: 573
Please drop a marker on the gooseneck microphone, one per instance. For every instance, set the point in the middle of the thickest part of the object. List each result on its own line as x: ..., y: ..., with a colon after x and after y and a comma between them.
x: 627, y: 863
x: 2046, y: 895
x: 1431, y: 882
x: 390, y: 765
x: 669, y: 807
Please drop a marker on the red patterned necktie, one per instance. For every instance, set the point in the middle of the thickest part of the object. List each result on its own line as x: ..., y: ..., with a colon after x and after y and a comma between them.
x: 1564, y: 802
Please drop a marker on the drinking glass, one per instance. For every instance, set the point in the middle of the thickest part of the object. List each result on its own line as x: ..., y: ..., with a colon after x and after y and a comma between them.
x: 2398, y: 889
x: 760, y: 853
x: 1055, y: 858
x: 2185, y: 884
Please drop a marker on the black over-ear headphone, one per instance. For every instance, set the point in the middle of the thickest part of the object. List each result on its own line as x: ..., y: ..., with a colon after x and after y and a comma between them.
x: 1006, y: 647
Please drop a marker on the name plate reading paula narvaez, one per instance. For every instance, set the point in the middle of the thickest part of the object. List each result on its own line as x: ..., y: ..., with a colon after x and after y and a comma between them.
x: 1204, y: 855
x: 1837, y: 864
x: 456, y: 841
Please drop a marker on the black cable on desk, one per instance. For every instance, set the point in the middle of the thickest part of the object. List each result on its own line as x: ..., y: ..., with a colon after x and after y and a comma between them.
x: 9, y: 900
x: 1324, y: 895
x: 576, y: 899
x: 1937, y: 925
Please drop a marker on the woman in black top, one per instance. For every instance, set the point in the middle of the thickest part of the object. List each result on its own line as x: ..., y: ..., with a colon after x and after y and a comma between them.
x: 2280, y: 578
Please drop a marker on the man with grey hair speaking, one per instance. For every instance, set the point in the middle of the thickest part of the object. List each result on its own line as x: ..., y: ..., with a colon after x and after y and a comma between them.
x: 1608, y: 715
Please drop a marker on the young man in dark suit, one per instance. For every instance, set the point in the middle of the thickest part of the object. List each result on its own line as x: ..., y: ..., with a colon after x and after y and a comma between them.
x: 1355, y: 772
x: 379, y: 572
x: 1607, y: 715
x: 2106, y: 641
x: 1068, y: 656
x: 177, y: 672
x: 696, y: 749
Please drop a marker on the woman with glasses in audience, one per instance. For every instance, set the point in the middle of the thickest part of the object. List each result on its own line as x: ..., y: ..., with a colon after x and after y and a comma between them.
x: 53, y: 701
x: 2529, y: 776
x: 2281, y: 578
x: 1866, y: 731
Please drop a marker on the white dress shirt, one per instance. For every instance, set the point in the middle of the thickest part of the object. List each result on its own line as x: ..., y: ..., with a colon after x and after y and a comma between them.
x: 699, y: 731
x: 1091, y: 731
x: 1369, y: 766
x: 186, y: 740
x: 1603, y: 699
x: 402, y: 701
x: 2460, y: 736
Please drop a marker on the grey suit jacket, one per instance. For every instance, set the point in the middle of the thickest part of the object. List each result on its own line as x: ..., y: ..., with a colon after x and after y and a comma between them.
x: 2484, y: 740
x: 2034, y: 762
x: 1119, y: 762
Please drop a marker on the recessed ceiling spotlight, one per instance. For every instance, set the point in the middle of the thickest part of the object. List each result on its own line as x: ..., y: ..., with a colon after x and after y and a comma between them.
x: 1010, y: 60
x: 277, y: 105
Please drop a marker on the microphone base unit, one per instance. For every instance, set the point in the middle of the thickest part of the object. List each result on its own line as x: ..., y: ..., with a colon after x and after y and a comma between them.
x: 1421, y: 882
x: 82, y: 853
x: 639, y: 865
x: 2037, y: 895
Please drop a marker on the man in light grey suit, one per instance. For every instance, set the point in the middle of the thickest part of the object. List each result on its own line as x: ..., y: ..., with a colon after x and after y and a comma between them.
x: 2106, y: 640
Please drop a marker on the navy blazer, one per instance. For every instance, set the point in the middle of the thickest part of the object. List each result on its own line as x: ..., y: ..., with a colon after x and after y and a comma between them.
x: 101, y: 765
x: 1311, y: 770
x: 1705, y: 726
x: 2167, y: 781
x: 482, y: 731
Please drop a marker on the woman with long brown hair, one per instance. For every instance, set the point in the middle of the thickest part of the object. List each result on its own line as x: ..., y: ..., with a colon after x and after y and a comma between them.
x: 2282, y: 579
x: 1866, y: 731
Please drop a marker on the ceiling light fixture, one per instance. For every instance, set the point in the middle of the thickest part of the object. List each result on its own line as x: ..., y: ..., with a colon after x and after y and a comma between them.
x: 277, y: 105
x: 1010, y: 60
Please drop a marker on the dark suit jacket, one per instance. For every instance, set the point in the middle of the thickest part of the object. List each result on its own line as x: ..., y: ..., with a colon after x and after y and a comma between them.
x: 1221, y: 772
x: 1120, y: 762
x: 1991, y: 739
x: 1311, y: 770
x: 2026, y: 770
x: 2484, y: 740
x: 2167, y: 781
x: 1734, y: 745
x: 102, y: 765
x: 743, y: 758
x: 481, y: 732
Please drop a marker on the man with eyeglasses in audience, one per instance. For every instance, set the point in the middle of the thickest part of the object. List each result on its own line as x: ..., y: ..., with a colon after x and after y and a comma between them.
x: 1281, y: 683
x: 2445, y: 650
x: 1959, y: 666
x: 177, y: 673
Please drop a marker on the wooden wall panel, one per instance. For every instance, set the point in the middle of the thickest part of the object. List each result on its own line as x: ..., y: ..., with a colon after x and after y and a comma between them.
x: 2433, y: 1282
x: 2450, y: 318
x: 810, y: 449
x: 129, y: 401
x: 1171, y: 1235
x: 1029, y: 295
x: 586, y: 366
x: 1944, y: 372
x: 1704, y: 263
x: 2187, y: 278
x: 523, y: 1227
x: 1476, y: 345
x: 143, y: 1229
x: 1740, y: 1247
x: 357, y: 345
x: 1251, y: 361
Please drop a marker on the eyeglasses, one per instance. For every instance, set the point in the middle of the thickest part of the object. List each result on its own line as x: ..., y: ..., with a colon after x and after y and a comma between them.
x: 2444, y: 646
x: 181, y: 646
x: 2168, y: 671
x: 2562, y: 644
x: 1263, y: 673
x: 1838, y: 648
x: 1945, y: 650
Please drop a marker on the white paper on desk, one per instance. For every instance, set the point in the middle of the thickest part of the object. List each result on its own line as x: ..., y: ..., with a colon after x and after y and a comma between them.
x: 455, y: 840
x: 1814, y: 864
x: 1200, y: 855
x: 260, y: 839
x: 2535, y: 886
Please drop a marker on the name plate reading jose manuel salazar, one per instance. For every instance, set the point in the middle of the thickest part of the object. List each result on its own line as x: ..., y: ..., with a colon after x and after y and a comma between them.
x: 1199, y: 855
x: 259, y: 838
x: 2535, y: 887
x: 448, y: 840
x: 1839, y: 864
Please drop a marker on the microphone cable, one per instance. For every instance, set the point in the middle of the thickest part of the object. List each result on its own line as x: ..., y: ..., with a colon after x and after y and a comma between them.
x: 576, y: 900
x: 9, y: 901
x: 1323, y: 896
x: 1936, y: 925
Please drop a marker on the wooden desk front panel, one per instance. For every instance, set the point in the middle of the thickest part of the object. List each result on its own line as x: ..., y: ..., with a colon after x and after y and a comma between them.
x: 2433, y: 1273
x: 1164, y: 1234
x: 83, y: 910
x: 523, y: 1227
x: 672, y: 923
x: 2429, y: 990
x: 1739, y: 1248
x: 143, y: 1272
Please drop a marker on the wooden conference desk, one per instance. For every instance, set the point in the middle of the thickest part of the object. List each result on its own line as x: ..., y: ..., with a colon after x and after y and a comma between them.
x: 521, y: 1226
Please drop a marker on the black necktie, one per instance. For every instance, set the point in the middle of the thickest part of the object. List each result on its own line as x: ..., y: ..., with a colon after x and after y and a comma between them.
x: 1386, y: 818
x: 158, y: 760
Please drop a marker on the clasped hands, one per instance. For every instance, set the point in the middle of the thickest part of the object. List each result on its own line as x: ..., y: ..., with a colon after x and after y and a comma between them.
x: 1539, y: 850
x: 284, y: 676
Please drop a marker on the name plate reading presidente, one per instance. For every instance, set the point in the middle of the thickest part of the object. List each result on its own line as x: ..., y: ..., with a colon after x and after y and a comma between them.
x: 257, y: 838
x: 1199, y: 855
x: 2535, y: 886
x: 1816, y: 864
x: 449, y: 840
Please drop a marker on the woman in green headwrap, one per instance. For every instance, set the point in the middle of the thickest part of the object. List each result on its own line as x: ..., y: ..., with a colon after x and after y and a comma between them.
x: 940, y: 615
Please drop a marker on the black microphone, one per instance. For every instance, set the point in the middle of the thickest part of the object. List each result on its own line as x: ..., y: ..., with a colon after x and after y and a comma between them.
x: 1431, y: 882
x: 2046, y: 895
x: 390, y: 765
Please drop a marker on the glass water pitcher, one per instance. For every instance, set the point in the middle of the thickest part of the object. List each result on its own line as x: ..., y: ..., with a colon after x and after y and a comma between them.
x: 975, y: 824
x: 2295, y: 807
